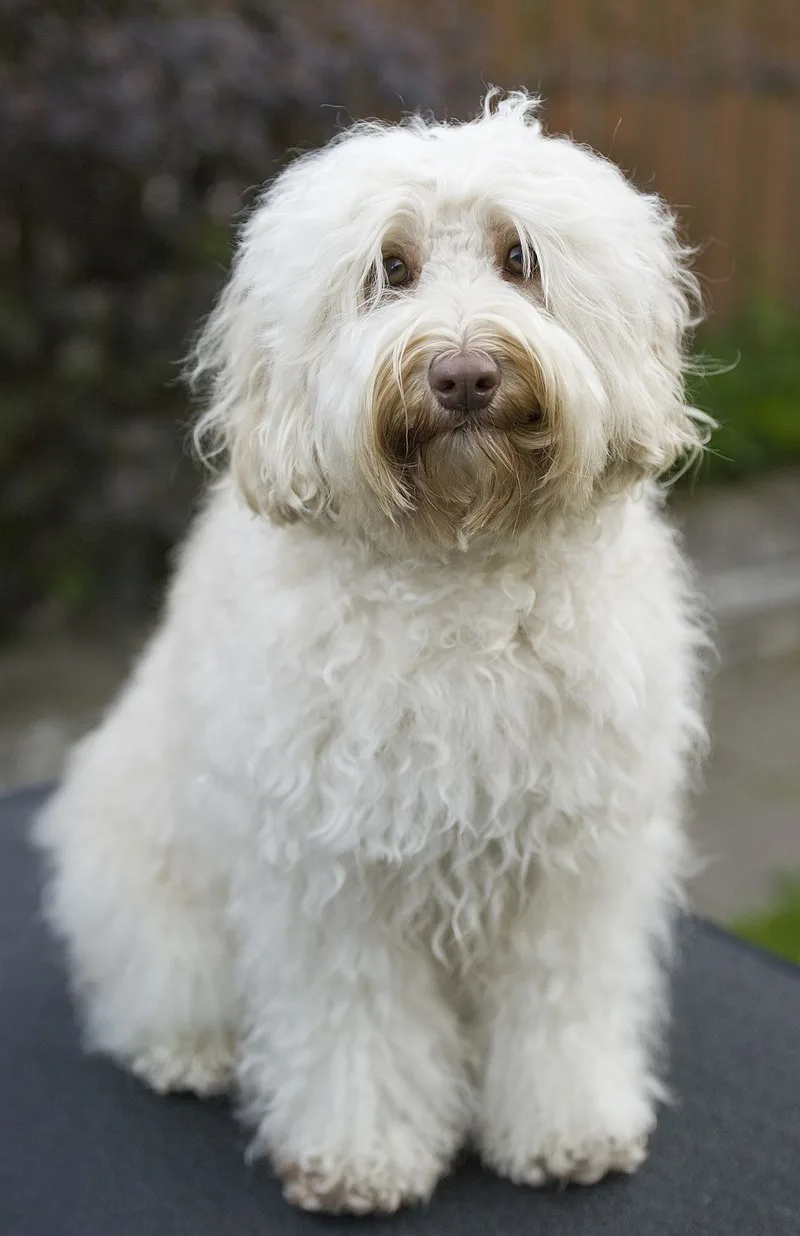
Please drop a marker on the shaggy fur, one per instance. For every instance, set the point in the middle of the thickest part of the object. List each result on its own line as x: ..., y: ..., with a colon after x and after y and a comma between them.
x: 385, y: 829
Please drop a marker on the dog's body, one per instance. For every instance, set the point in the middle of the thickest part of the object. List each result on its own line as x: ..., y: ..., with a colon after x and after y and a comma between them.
x: 386, y: 825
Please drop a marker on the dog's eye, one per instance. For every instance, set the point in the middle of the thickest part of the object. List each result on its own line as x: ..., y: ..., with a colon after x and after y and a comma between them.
x: 515, y: 261
x: 397, y: 272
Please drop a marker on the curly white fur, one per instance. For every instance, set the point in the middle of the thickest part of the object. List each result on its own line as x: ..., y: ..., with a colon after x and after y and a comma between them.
x: 387, y: 822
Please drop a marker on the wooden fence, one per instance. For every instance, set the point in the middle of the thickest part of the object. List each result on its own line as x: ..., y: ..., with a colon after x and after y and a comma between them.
x: 699, y: 99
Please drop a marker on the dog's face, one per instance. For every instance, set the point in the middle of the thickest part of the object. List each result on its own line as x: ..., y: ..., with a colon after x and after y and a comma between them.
x: 450, y: 330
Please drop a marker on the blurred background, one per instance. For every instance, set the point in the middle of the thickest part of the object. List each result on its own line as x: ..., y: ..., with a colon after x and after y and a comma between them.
x: 132, y: 136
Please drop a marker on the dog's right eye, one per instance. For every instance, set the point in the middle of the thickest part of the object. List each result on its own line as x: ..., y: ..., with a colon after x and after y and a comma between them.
x: 515, y: 260
x: 397, y: 272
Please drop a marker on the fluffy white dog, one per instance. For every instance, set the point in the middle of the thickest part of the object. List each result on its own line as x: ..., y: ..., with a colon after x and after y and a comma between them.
x: 385, y: 829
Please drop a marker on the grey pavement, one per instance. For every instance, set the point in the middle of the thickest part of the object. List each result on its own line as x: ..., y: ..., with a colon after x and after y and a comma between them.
x: 745, y: 541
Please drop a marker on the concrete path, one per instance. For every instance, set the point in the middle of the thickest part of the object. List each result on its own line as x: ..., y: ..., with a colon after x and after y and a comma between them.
x: 745, y: 541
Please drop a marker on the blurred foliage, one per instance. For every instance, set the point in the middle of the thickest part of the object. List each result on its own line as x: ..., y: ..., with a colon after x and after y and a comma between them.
x: 756, y: 396
x: 777, y: 929
x: 130, y: 135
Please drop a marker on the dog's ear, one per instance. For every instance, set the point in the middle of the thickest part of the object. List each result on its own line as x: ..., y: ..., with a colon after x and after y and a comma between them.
x: 255, y: 418
x: 653, y: 425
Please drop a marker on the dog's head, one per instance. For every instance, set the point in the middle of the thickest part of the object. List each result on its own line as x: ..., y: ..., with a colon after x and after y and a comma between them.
x: 451, y: 330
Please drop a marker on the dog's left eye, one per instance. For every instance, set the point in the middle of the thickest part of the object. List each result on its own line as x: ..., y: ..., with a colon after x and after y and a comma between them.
x: 397, y: 272
x: 515, y: 260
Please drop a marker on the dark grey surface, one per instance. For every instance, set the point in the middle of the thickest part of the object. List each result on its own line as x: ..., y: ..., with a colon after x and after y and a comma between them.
x: 86, y: 1151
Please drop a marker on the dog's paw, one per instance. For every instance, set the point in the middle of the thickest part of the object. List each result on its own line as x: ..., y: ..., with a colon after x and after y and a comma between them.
x: 202, y: 1068
x: 572, y: 1162
x: 377, y: 1187
x: 566, y: 1128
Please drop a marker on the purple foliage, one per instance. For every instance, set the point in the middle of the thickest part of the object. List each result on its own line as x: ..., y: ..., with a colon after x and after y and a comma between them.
x: 130, y: 134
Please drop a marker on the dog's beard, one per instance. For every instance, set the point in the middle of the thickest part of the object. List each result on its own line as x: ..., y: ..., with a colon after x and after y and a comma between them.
x: 450, y: 476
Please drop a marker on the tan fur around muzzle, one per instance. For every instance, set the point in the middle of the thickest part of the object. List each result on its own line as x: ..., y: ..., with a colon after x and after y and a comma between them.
x: 452, y: 478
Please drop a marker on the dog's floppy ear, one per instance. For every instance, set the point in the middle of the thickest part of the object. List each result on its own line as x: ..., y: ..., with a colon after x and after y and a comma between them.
x: 255, y: 417
x: 654, y: 426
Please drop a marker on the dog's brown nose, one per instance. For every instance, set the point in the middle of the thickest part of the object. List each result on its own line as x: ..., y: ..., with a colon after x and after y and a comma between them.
x: 464, y: 381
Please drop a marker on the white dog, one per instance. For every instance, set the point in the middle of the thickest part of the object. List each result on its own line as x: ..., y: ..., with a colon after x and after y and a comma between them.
x: 385, y: 829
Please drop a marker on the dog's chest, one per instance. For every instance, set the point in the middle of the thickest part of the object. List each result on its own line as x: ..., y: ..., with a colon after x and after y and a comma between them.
x: 437, y: 772
x: 440, y: 734
x: 440, y: 721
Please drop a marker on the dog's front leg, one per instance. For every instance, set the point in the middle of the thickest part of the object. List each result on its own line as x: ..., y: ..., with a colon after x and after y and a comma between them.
x: 353, y: 1071
x: 568, y: 1086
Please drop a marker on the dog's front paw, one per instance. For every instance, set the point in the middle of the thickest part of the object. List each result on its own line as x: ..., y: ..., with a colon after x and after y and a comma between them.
x: 377, y: 1185
x: 555, y: 1160
x: 539, y: 1145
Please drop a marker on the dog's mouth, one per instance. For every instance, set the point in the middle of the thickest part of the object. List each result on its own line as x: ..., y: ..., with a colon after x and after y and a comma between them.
x: 492, y: 420
x: 409, y: 430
